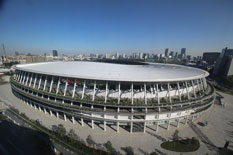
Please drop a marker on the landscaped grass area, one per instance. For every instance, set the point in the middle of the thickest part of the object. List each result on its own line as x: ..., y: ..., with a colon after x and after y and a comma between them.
x: 184, y: 145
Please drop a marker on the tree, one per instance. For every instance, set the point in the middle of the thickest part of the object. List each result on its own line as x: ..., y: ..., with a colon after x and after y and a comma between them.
x: 61, y: 129
x: 110, y: 148
x: 90, y: 141
x: 73, y: 135
x: 175, y: 136
x: 128, y: 150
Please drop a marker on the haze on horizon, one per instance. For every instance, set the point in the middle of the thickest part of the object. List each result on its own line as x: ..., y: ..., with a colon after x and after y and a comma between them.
x: 73, y: 27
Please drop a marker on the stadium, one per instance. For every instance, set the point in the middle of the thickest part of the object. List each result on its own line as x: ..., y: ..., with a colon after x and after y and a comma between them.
x: 128, y: 96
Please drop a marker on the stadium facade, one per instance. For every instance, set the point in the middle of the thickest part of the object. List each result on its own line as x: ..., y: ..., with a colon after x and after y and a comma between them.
x: 120, y: 95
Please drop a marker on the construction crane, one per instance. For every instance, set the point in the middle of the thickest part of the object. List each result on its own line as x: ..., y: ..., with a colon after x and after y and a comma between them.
x: 4, y: 54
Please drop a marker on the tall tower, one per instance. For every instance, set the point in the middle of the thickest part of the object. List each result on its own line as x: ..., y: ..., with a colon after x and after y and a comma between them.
x: 183, y: 53
x: 167, y: 51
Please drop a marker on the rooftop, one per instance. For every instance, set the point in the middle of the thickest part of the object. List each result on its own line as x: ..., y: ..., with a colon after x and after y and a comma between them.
x: 152, y: 72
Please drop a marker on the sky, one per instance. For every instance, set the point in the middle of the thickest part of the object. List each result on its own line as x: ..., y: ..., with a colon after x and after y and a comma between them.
x: 124, y: 26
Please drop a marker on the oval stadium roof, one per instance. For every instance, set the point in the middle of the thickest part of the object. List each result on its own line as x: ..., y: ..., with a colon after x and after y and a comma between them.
x: 153, y: 72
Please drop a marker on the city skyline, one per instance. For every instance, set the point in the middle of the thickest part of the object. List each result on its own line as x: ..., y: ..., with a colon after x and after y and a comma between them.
x: 109, y: 27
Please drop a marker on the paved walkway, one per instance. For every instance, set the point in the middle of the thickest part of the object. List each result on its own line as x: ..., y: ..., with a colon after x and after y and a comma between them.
x: 141, y: 143
x: 202, y: 137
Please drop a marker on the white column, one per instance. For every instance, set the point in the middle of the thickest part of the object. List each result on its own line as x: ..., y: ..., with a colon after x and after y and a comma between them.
x: 132, y: 93
x: 178, y: 86
x: 35, y: 81
x: 198, y: 85
x: 57, y: 114
x: 131, y: 127
x: 73, y: 119
x: 51, y: 113
x: 51, y: 85
x: 168, y: 125
x: 27, y: 79
x: 24, y: 75
x: 157, y: 87
x: 104, y: 125
x: 202, y: 86
x: 84, y: 86
x: 82, y: 122
x: 92, y: 124
x: 39, y: 108
x: 187, y: 90
x: 157, y: 127
x: 168, y: 89
x: 144, y: 127
x: 64, y: 117
x: 74, y: 89
x: 178, y: 121
x: 194, y: 91
x: 93, y: 95
x: 205, y: 84
x: 119, y: 92
x: 45, y: 111
x: 66, y: 87
x: 31, y: 80
x: 145, y: 99
x: 106, y: 93
x: 40, y: 81
x: 45, y: 82
x: 21, y: 78
x: 118, y: 127
x: 58, y: 85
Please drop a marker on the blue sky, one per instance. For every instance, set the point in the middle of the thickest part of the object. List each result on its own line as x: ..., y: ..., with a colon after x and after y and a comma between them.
x: 72, y: 26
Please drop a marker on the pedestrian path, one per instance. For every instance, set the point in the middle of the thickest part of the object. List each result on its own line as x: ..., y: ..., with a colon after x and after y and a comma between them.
x: 202, y: 137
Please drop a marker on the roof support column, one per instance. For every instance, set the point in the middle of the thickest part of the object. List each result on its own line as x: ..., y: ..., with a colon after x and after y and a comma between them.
x: 27, y: 79
x: 40, y: 81
x: 30, y: 80
x: 187, y: 90
x: 168, y: 89
x: 74, y: 88
x: 178, y: 86
x: 132, y: 93
x: 202, y: 86
x: 21, y: 78
x: 24, y: 77
x: 93, y: 95
x: 119, y: 92
x: 65, y: 87
x: 198, y: 85
x: 106, y: 93
x: 144, y: 127
x: 35, y: 81
x: 157, y: 87
x: 45, y: 82
x: 145, y: 94
x: 104, y: 125
x: 194, y: 91
x: 118, y: 129
x: 84, y: 86
x: 51, y: 85
x: 58, y: 85
x: 205, y: 84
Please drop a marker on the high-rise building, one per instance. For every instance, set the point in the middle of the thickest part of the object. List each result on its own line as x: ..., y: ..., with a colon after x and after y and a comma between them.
x: 172, y: 54
x: 55, y: 53
x: 224, y: 65
x: 210, y: 57
x: 167, y: 51
x: 183, y: 53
